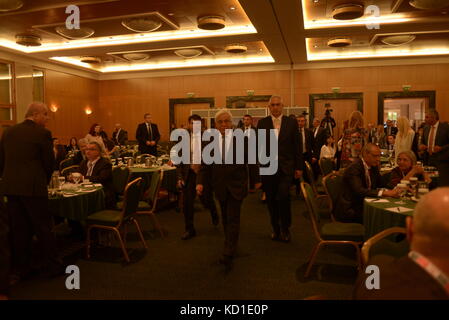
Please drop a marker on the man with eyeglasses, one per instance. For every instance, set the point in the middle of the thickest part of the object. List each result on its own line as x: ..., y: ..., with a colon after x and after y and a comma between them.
x: 290, y: 165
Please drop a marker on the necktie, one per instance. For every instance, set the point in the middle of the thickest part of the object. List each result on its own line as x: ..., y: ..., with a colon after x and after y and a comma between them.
x: 431, y: 139
x: 304, y: 149
x: 277, y: 124
x: 90, y: 168
x: 150, y: 132
x: 316, y: 131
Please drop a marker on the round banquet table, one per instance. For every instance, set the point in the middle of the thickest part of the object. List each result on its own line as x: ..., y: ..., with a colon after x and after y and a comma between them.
x: 377, y: 216
x: 77, y: 205
x: 168, y: 181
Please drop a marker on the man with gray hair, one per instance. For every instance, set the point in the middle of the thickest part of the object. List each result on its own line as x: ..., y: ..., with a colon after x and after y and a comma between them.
x: 26, y: 166
x: 424, y: 273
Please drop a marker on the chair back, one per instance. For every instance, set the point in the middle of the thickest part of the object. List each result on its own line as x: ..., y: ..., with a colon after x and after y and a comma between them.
x: 333, y: 185
x: 388, y: 247
x: 68, y: 170
x: 312, y: 207
x: 151, y: 194
x: 326, y: 165
x: 120, y: 178
x: 141, y: 158
x: 65, y: 164
x: 131, y: 198
x: 310, y: 177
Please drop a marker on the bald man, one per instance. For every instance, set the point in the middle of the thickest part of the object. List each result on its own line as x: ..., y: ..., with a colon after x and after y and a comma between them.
x: 26, y: 166
x: 424, y: 272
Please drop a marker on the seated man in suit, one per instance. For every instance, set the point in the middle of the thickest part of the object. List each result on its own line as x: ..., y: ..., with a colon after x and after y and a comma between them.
x: 119, y: 136
x: 81, y: 154
x: 99, y: 170
x: 362, y: 179
x: 424, y: 272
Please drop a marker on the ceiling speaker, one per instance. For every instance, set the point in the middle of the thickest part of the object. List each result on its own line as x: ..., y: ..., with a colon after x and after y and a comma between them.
x: 28, y: 39
x: 145, y: 24
x: 188, y: 53
x: 429, y: 4
x: 10, y: 5
x: 236, y: 48
x: 136, y: 56
x: 398, y: 40
x: 339, y: 42
x: 81, y: 33
x: 214, y: 22
x: 348, y: 11
x: 91, y: 60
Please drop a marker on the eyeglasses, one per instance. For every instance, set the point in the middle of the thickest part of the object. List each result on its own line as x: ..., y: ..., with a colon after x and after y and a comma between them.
x: 275, y: 104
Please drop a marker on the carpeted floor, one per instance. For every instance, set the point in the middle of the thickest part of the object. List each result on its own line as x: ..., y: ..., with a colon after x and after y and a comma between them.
x: 175, y: 269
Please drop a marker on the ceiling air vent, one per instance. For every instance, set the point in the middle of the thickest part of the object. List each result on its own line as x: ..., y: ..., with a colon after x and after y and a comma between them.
x: 214, y: 22
x: 236, y: 48
x: 348, y: 11
x: 136, y: 57
x: 28, y: 39
x: 188, y: 53
x: 75, y: 34
x: 339, y: 42
x: 91, y: 60
x: 429, y: 4
x: 145, y: 24
x: 10, y: 5
x: 398, y: 40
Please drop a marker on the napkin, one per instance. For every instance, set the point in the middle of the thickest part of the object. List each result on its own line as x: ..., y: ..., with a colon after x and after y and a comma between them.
x: 399, y: 209
x: 97, y: 185
x: 376, y: 200
x: 67, y: 195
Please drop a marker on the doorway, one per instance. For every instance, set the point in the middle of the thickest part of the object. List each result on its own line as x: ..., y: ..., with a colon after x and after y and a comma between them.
x: 180, y: 109
x: 413, y: 109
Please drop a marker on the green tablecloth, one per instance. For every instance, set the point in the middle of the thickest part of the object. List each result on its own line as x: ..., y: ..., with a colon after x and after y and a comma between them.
x: 168, y: 182
x: 376, y: 218
x: 77, y: 207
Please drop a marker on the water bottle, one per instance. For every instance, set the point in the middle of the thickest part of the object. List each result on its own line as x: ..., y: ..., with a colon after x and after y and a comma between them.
x: 147, y: 162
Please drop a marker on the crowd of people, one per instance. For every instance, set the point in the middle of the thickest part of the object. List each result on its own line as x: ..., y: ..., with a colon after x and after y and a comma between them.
x: 29, y: 156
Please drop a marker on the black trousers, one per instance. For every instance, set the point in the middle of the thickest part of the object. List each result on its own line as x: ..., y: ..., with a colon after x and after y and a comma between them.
x: 4, y: 249
x: 28, y: 217
x: 277, y: 189
x: 148, y: 149
x: 443, y: 171
x: 230, y: 215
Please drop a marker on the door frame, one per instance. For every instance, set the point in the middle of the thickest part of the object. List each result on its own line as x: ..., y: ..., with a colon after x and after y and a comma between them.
x: 174, y: 101
x: 381, y: 96
x: 230, y: 100
x: 358, y: 96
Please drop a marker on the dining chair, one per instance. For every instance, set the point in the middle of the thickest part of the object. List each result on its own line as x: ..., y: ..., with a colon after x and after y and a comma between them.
x: 116, y: 221
x: 141, y: 158
x: 65, y: 164
x: 120, y: 179
x: 68, y: 170
x: 332, y: 233
x: 327, y: 166
x: 380, y: 244
x: 333, y: 185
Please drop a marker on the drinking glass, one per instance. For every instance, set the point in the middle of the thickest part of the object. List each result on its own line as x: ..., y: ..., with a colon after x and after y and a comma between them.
x: 76, y: 177
x: 402, y: 189
x: 61, y: 180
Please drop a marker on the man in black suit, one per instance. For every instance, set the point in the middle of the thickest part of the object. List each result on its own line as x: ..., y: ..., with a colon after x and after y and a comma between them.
x: 81, y: 154
x: 147, y: 135
x: 229, y: 183
x: 424, y: 273
x: 290, y: 165
x: 306, y: 147
x: 361, y: 179
x: 319, y: 137
x: 26, y: 166
x: 436, y: 145
x: 119, y: 136
x: 187, y: 177
x: 99, y: 170
x: 390, y: 130
x: 253, y: 168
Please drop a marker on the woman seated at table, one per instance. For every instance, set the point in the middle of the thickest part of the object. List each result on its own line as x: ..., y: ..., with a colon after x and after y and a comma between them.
x: 406, y: 169
x: 72, y: 147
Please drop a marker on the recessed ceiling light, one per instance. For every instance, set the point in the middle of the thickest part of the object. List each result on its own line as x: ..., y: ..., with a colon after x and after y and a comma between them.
x: 28, y: 39
x: 348, y: 11
x: 398, y: 40
x: 75, y: 34
x: 143, y: 24
x: 188, y: 53
x: 212, y: 22
x: 429, y: 4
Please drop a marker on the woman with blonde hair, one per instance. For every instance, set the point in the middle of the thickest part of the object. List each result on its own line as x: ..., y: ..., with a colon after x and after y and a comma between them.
x: 404, y: 137
x: 354, y: 138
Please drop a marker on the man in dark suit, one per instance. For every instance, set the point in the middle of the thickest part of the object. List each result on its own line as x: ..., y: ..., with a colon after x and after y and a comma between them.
x: 424, y: 273
x: 319, y: 139
x: 290, y: 166
x: 253, y: 168
x: 147, y: 135
x: 99, y: 170
x: 436, y: 145
x: 187, y: 178
x: 26, y: 166
x: 390, y: 129
x: 81, y: 154
x: 371, y: 130
x: 306, y: 147
x: 229, y: 183
x: 119, y: 136
x: 361, y: 179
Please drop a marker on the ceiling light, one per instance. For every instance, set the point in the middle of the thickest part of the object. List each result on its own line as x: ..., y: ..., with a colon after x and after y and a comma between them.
x: 28, y: 39
x: 236, y: 48
x: 348, y: 11
x: 429, y: 4
x: 90, y: 60
x: 10, y: 5
x: 232, y: 8
x: 214, y: 22
x: 75, y: 34
x: 142, y: 24
x: 136, y: 56
x: 339, y: 42
x: 171, y: 14
x: 188, y: 53
x: 398, y: 40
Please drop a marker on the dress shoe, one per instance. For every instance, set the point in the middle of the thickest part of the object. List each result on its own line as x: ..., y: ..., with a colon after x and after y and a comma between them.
x: 188, y: 235
x: 285, y: 236
x: 275, y: 236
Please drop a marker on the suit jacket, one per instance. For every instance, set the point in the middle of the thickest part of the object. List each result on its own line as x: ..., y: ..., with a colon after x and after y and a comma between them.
x: 350, y: 204
x: 26, y: 160
x: 143, y: 135
x: 101, y: 173
x: 319, y: 140
x: 289, y: 155
x: 122, y: 137
x: 441, y: 139
x: 400, y: 279
x: 394, y: 131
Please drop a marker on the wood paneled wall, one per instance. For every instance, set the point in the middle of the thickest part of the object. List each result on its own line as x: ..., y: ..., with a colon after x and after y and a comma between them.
x: 71, y: 95
x: 126, y: 101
